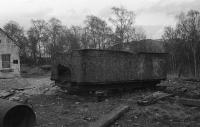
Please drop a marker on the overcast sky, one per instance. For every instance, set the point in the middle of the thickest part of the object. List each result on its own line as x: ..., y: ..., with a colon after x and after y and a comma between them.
x: 153, y: 15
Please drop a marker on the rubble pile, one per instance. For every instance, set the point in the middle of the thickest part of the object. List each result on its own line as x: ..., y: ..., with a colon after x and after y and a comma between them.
x: 183, y: 88
x: 20, y: 89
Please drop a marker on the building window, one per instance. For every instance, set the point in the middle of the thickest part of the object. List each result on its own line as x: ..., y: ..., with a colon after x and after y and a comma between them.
x: 15, y: 61
x: 5, y: 60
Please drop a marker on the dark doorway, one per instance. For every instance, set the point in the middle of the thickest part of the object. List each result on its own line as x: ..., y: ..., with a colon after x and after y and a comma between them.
x: 64, y: 74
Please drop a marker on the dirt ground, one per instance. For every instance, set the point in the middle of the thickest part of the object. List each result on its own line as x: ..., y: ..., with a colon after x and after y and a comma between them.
x: 56, y: 108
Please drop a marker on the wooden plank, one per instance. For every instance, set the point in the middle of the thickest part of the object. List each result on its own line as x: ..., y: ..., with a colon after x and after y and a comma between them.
x: 189, y: 102
x: 107, y: 119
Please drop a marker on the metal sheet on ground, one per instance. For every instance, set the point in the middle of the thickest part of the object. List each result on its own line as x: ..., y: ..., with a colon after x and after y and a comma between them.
x: 107, y: 119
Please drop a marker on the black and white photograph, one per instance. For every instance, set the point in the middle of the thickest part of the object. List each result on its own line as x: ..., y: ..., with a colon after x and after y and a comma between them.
x: 99, y: 63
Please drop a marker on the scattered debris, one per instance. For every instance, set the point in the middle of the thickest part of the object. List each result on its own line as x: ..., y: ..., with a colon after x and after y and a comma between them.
x: 153, y: 98
x: 107, y: 119
x: 89, y: 118
x: 4, y: 94
x: 100, y: 95
x: 14, y: 98
x: 77, y: 103
x: 20, y: 89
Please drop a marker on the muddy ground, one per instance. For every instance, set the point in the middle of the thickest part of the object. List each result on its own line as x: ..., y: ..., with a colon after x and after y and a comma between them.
x: 56, y: 108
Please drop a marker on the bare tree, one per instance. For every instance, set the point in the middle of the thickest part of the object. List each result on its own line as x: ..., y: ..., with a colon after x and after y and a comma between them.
x: 183, y: 41
x: 61, y: 38
x: 123, y: 20
x: 75, y: 37
x: 40, y: 27
x: 33, y: 42
x: 189, y: 31
x: 169, y: 37
x: 138, y: 34
x: 97, y: 31
x: 55, y: 29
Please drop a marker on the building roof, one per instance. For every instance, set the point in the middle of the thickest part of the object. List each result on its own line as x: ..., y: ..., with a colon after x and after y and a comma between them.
x: 9, y: 36
x: 147, y: 45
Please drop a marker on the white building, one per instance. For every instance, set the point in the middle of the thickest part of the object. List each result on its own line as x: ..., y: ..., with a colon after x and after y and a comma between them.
x: 9, y: 56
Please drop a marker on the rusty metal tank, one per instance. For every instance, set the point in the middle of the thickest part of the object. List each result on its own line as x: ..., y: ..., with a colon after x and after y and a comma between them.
x: 91, y: 68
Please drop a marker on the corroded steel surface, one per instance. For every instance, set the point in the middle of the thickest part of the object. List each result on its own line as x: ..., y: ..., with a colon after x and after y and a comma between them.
x: 102, y: 66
